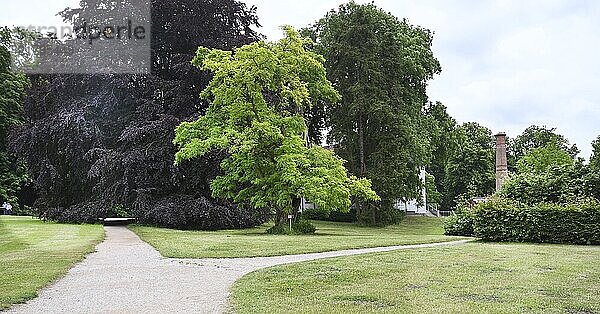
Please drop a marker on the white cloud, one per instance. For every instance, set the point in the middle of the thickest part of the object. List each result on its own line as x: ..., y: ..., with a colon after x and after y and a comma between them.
x: 543, y: 71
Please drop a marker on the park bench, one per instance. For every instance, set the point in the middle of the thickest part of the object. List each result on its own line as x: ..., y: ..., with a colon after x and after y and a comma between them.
x: 117, y: 221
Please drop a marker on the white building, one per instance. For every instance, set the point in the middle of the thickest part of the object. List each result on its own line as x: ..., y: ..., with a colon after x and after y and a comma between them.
x: 415, y: 207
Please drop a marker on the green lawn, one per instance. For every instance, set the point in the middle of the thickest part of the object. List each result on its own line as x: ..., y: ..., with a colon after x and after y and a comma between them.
x: 33, y: 254
x: 255, y: 242
x: 473, y: 278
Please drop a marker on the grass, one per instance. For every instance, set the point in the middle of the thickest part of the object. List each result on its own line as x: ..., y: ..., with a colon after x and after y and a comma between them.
x: 473, y: 278
x: 34, y: 253
x: 255, y: 242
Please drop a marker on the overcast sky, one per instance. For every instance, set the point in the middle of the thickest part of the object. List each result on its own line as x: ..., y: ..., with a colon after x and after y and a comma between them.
x: 506, y: 64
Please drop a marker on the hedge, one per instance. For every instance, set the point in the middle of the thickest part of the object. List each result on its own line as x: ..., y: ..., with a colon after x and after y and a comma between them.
x: 502, y: 220
x: 176, y: 211
x: 81, y: 213
x: 460, y: 223
x: 197, y: 213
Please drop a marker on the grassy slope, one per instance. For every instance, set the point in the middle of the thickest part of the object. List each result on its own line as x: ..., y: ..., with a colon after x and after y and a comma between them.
x: 474, y: 278
x: 33, y: 254
x: 254, y: 242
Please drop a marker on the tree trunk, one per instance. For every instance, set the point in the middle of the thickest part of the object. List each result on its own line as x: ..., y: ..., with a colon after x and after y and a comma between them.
x: 296, y: 208
x: 361, y: 158
x: 280, y: 217
x: 374, y: 214
x: 361, y: 146
x: 281, y: 214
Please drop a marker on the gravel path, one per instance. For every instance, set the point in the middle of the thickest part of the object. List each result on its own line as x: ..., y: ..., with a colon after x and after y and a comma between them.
x: 126, y: 275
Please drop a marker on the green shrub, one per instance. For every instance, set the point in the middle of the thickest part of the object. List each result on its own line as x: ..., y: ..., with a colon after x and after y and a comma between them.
x: 391, y: 216
x: 300, y: 226
x: 336, y: 215
x: 277, y: 229
x: 504, y: 220
x: 381, y: 214
x: 460, y: 223
x: 23, y: 210
x: 303, y: 226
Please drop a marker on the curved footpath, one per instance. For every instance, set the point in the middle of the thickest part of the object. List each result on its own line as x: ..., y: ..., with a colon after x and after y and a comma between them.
x: 127, y: 275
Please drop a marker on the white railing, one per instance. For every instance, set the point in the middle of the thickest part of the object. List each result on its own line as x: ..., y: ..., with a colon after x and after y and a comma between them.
x: 434, y: 209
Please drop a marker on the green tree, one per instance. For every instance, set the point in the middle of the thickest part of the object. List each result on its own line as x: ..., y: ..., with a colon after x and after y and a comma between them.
x: 258, y: 96
x: 444, y: 143
x: 433, y: 194
x: 538, y: 160
x: 536, y: 137
x: 470, y: 171
x: 551, y: 174
x: 381, y: 66
x: 547, y: 174
x: 12, y: 92
x: 557, y: 183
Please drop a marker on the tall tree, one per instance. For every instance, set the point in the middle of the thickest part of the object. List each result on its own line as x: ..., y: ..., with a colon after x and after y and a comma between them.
x: 381, y: 66
x: 470, y: 171
x: 537, y: 137
x: 258, y: 95
x: 12, y: 94
x: 95, y: 142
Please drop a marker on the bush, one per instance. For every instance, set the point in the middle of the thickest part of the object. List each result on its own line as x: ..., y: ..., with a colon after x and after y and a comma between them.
x: 303, y: 226
x: 504, y: 220
x: 460, y: 223
x: 336, y: 215
x: 381, y: 214
x: 23, y: 210
x: 300, y: 226
x: 190, y: 213
x: 81, y: 213
x: 177, y: 212
x: 277, y: 229
x: 316, y: 214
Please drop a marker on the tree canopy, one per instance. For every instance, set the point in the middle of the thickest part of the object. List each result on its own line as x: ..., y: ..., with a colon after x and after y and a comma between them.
x: 257, y: 98
x: 381, y: 66
x: 595, y: 158
x: 536, y: 137
x: 445, y: 140
x: 538, y: 160
x: 551, y: 174
x: 560, y: 183
x: 102, y: 144
x: 470, y: 171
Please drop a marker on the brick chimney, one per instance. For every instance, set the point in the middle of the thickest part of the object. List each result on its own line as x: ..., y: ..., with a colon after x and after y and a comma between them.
x: 501, y: 163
